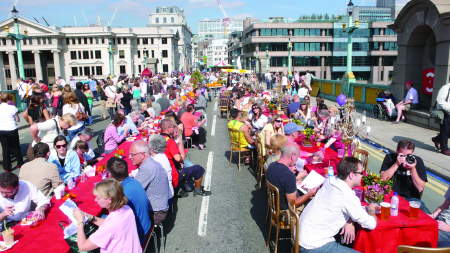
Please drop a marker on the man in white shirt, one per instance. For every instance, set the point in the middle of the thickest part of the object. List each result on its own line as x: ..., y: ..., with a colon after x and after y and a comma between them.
x: 443, y: 103
x: 334, y: 208
x: 410, y: 102
x: 16, y: 197
x: 143, y: 87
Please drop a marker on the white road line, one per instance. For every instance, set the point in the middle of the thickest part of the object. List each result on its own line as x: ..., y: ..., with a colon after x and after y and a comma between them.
x: 215, y: 106
x: 203, y: 218
x: 213, y: 127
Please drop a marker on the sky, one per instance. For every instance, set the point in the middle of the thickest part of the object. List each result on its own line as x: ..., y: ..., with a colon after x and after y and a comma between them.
x: 134, y: 13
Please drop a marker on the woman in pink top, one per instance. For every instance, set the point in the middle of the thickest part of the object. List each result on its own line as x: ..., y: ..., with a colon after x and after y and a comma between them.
x: 111, y: 138
x: 116, y: 233
x: 192, y: 127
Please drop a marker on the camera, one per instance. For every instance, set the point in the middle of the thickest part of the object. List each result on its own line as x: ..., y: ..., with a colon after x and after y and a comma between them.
x: 411, y: 159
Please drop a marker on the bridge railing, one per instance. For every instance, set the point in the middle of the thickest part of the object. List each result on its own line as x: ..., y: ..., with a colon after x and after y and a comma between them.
x: 364, y: 94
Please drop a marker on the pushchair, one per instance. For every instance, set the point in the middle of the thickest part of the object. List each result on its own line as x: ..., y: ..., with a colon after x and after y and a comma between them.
x: 384, y: 108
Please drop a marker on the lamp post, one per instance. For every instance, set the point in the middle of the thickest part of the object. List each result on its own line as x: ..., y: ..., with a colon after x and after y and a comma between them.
x: 145, y: 58
x: 111, y: 58
x: 349, y: 28
x: 267, y: 60
x: 18, y: 40
x: 289, y: 58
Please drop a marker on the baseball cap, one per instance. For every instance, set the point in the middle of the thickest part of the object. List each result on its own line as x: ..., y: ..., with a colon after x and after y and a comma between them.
x: 291, y: 127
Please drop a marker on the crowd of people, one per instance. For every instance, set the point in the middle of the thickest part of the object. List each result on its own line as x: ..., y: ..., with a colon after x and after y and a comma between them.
x: 275, y: 116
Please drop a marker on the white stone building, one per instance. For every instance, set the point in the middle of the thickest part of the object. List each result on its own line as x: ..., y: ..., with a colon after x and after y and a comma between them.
x: 49, y: 52
x: 172, y: 17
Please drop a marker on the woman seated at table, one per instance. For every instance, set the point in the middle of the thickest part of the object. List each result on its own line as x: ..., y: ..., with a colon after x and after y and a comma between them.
x: 111, y: 138
x: 193, y: 127
x: 277, y: 141
x: 116, y: 233
x: 65, y: 159
x: 82, y: 149
x: 304, y: 112
x: 258, y: 119
x: 271, y: 129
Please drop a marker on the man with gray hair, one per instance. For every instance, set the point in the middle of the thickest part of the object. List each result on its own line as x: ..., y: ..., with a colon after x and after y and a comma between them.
x: 281, y: 175
x: 157, y: 147
x: 153, y: 178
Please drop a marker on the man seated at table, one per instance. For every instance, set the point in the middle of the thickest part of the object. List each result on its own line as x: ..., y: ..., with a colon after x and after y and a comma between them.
x: 334, y: 208
x: 175, y: 154
x: 293, y: 107
x: 409, y: 178
x: 238, y: 123
x: 137, y: 198
x: 66, y: 160
x: 281, y: 175
x: 131, y: 121
x: 291, y: 130
x: 16, y: 197
x: 85, y: 135
x: 442, y: 215
x: 41, y: 173
x: 153, y: 178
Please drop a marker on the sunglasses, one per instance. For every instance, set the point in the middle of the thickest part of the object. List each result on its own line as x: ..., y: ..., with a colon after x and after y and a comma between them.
x: 61, y: 146
x: 278, y: 121
x: 359, y: 172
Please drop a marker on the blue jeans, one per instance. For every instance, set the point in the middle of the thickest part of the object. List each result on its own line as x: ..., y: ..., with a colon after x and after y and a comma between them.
x: 333, y: 247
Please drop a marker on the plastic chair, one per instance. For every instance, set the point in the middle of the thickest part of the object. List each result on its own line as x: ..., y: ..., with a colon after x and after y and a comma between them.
x: 236, y: 146
x: 294, y: 221
x: 414, y: 249
x: 277, y: 218
x: 363, y: 156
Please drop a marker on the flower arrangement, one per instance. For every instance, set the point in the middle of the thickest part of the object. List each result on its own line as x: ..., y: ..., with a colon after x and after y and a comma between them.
x: 308, y: 132
x: 375, y: 188
x: 299, y: 122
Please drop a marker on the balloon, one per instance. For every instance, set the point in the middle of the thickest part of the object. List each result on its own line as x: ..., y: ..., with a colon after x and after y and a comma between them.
x: 341, y: 99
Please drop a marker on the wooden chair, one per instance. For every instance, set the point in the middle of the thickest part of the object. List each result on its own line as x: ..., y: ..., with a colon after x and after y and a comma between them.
x: 236, y: 147
x: 414, y: 249
x: 151, y: 235
x: 363, y: 156
x: 294, y: 221
x: 224, y: 105
x: 261, y: 159
x: 277, y: 218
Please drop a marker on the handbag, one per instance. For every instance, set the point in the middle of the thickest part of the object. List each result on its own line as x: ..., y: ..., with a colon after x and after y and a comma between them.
x: 89, y: 229
x: 437, y: 112
x: 80, y: 115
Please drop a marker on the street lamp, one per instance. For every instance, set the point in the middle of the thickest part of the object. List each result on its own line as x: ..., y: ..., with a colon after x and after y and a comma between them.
x: 289, y: 57
x: 349, y: 28
x: 17, y: 37
x: 145, y: 58
x: 267, y: 60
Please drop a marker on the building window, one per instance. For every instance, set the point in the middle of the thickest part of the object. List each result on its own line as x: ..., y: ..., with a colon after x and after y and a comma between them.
x: 140, y: 68
x: 80, y: 71
x: 164, y: 54
x: 145, y: 41
x: 103, y: 41
x: 85, y: 41
x: 99, y: 70
x: 164, y: 41
x: 98, y: 54
x: 152, y: 41
x: 67, y: 41
x: 73, y: 55
x: 96, y: 40
x: 122, y: 69
x: 91, y: 40
x: 172, y: 20
x: 24, y: 42
x: 87, y: 71
x: 119, y: 41
x: 165, y: 67
x: 73, y: 41
x: 92, y: 54
x: 79, y: 41
x: 156, y: 20
x: 153, y: 53
x: 74, y: 71
x: 121, y: 54
x: 390, y: 46
x: 139, y: 54
x: 49, y: 41
x: 85, y: 54
x: 164, y: 20
x: 124, y: 40
x: 30, y: 72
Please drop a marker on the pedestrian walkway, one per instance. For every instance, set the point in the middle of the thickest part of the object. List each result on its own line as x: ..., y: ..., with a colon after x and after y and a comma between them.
x: 388, y: 135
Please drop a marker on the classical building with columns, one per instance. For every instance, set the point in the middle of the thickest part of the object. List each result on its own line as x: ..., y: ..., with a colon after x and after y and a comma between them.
x: 79, y: 52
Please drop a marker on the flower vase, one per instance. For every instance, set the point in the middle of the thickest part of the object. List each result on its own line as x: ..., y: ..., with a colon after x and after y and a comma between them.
x: 307, y: 143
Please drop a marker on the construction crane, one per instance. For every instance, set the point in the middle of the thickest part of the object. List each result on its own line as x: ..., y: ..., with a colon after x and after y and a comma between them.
x: 226, y: 20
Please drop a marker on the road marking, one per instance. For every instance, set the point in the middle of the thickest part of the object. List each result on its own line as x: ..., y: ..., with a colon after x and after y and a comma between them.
x: 203, y: 219
x: 213, y: 127
x: 215, y: 106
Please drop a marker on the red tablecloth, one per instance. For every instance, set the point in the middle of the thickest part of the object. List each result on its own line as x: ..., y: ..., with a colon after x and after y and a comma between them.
x: 330, y: 159
x: 400, y: 230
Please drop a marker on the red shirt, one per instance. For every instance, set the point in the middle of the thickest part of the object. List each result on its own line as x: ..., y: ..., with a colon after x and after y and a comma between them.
x: 171, y: 151
x: 189, y: 121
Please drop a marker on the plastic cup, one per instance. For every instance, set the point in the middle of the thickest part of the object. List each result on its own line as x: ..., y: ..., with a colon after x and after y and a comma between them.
x: 414, y: 207
x: 385, y: 210
x: 8, y: 236
x: 341, y: 153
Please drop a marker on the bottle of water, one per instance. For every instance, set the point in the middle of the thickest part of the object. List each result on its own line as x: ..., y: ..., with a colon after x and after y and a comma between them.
x: 394, y: 205
x: 330, y: 172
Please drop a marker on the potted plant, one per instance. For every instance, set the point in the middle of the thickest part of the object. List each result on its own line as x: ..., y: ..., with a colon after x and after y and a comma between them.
x: 375, y: 188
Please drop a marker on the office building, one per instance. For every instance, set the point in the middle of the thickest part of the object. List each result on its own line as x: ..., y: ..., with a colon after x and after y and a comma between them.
x: 214, y: 28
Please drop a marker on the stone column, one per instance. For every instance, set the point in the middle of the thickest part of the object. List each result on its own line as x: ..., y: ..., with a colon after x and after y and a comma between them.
x: 37, y: 65
x: 56, y: 63
x: 12, y: 68
x: 2, y: 73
